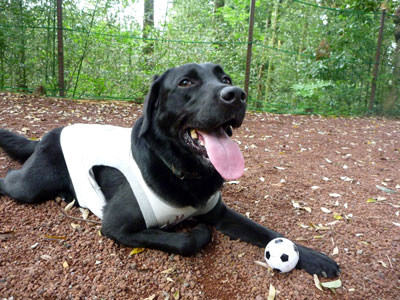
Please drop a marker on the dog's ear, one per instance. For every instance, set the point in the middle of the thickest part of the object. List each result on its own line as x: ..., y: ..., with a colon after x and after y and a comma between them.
x: 151, y: 103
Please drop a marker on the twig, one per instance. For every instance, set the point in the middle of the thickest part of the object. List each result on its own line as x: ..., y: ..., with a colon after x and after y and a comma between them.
x: 75, y: 218
x: 390, y: 263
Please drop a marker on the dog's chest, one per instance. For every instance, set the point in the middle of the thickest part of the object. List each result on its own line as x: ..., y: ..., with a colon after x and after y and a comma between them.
x: 85, y: 146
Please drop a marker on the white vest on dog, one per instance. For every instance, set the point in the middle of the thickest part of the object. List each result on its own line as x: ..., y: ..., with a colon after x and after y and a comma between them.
x: 87, y: 145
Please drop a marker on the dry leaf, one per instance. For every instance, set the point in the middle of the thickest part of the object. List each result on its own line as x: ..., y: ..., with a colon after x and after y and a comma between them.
x: 69, y: 205
x: 176, y: 295
x: 136, y: 251
x: 337, y: 216
x: 382, y: 263
x: 325, y: 210
x: 332, y: 284
x: 260, y: 263
x: 65, y: 265
x: 272, y: 292
x: 150, y: 297
x: 335, y: 195
x: 53, y: 237
x: 280, y: 168
x: 396, y: 224
x: 386, y: 189
x: 75, y: 226
x: 84, y: 212
x: 335, y: 251
x: 168, y: 271
x: 317, y: 282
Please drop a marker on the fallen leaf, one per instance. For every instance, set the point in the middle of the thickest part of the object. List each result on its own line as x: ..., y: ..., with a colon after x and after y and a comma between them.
x: 280, y: 168
x: 346, y: 179
x: 136, y: 251
x: 150, y: 297
x: 84, y: 212
x: 69, y: 205
x: 75, y: 226
x: 168, y: 271
x: 337, y: 216
x: 260, y: 263
x: 396, y: 224
x: 45, y: 257
x: 271, y: 293
x: 386, y: 189
x: 335, y: 195
x: 233, y: 182
x: 176, y: 295
x: 332, y: 284
x: 325, y: 210
x: 53, y: 237
x: 335, y: 251
x: 65, y: 265
x: 382, y: 263
x: 317, y: 282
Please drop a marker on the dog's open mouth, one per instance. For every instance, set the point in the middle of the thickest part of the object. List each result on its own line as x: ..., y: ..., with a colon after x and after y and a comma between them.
x: 216, y: 146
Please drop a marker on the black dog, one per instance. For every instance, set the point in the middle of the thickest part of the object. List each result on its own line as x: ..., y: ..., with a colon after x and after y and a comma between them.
x: 182, y: 148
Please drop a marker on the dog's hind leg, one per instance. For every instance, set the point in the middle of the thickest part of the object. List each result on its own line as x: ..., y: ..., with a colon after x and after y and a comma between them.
x: 43, y: 176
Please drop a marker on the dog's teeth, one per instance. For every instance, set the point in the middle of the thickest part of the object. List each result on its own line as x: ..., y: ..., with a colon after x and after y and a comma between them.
x: 193, y: 134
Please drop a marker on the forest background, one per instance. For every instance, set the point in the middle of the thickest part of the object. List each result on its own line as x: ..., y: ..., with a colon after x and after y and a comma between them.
x: 307, y: 56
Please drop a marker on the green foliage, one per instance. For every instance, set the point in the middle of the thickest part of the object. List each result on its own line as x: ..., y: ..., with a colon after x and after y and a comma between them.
x: 320, y: 59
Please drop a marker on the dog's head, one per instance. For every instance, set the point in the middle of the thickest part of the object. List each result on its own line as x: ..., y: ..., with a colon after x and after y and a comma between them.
x: 188, y: 117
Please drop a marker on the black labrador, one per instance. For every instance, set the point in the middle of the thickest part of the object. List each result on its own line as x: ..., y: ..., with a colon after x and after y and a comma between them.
x: 182, y: 148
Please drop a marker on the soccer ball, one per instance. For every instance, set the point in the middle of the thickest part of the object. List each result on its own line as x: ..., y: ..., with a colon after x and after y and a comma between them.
x: 281, y: 254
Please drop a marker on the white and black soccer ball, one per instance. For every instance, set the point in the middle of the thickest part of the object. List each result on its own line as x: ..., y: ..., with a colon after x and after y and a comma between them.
x: 281, y: 254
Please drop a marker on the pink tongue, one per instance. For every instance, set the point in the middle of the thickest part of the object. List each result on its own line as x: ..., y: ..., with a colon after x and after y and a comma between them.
x: 224, y: 154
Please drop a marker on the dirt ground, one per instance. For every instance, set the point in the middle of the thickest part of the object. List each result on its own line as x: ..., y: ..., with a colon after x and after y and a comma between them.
x: 332, y: 184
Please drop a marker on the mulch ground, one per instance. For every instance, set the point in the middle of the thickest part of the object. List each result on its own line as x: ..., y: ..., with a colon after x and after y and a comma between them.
x: 332, y: 184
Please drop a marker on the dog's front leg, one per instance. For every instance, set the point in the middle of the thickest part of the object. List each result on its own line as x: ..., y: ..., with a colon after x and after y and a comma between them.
x: 238, y: 226
x: 183, y: 243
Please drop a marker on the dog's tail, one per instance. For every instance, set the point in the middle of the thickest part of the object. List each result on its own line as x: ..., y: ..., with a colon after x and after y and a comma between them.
x: 16, y: 146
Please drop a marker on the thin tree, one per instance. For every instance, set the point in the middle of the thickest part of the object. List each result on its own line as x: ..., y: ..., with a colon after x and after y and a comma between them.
x: 393, y: 97
x: 148, y: 25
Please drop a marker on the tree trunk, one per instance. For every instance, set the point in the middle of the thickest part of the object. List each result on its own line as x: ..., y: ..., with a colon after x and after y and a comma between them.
x: 148, y: 25
x: 271, y: 45
x: 393, y: 97
x: 22, y: 56
x: 60, y: 49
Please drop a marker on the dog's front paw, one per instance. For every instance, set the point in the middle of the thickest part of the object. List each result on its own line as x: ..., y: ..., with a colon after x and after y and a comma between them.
x: 315, y: 262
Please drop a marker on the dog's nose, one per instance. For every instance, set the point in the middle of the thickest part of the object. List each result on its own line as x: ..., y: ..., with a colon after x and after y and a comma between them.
x: 231, y: 94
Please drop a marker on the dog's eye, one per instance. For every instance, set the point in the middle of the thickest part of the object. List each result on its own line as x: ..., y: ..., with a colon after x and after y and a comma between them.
x: 185, y: 83
x: 226, y: 80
